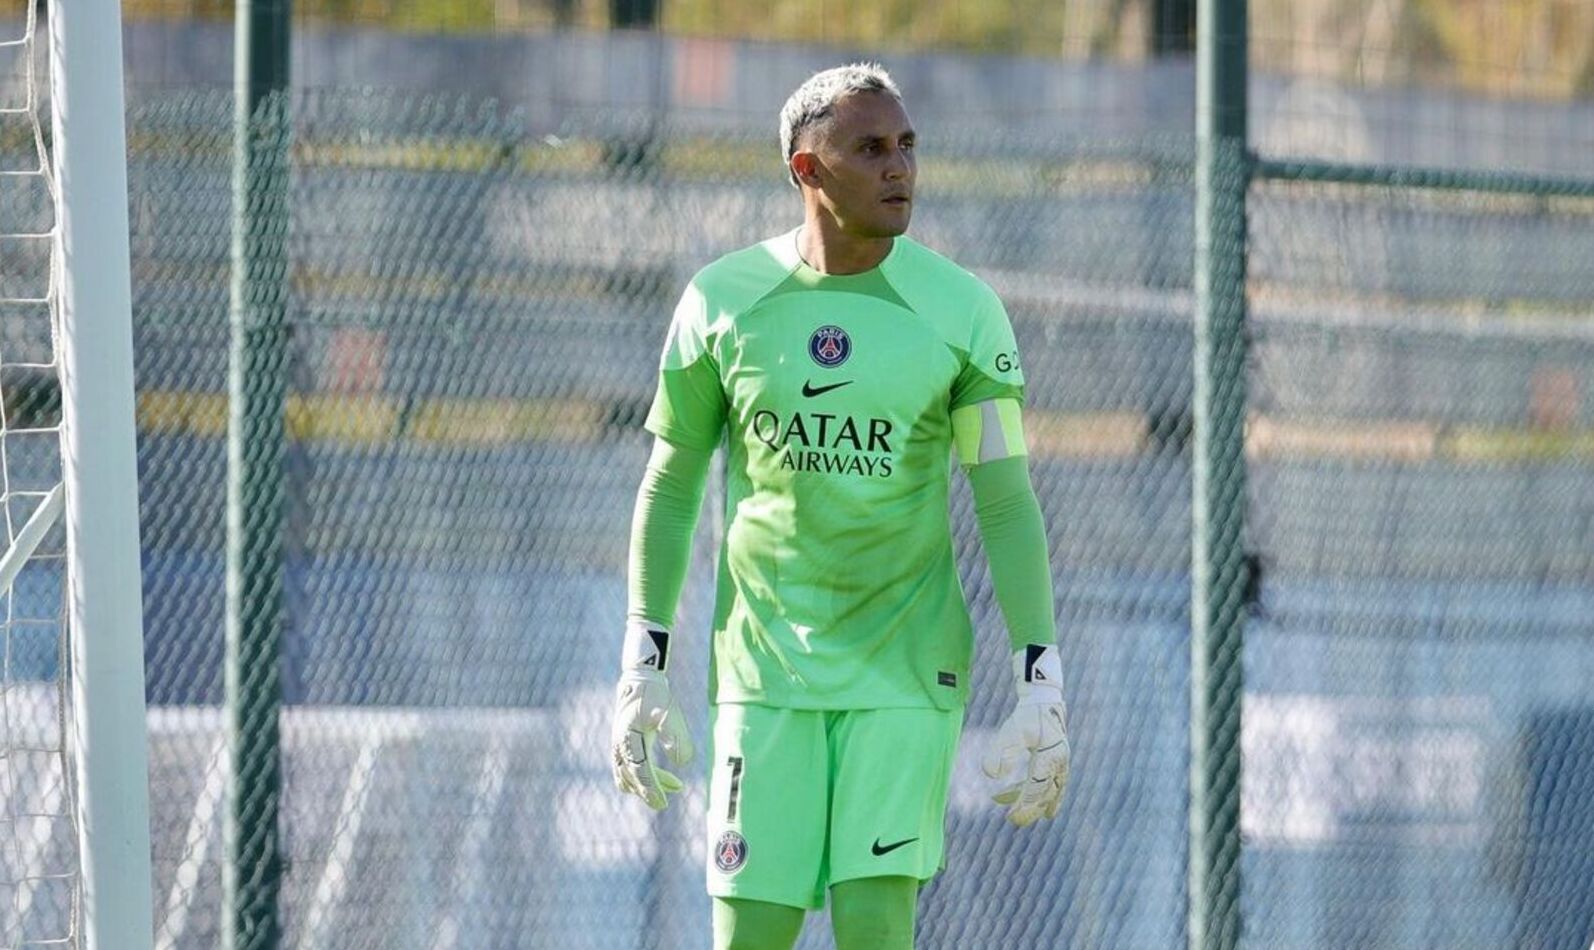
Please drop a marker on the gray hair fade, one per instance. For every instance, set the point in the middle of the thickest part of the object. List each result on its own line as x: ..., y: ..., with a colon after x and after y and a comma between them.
x: 815, y: 101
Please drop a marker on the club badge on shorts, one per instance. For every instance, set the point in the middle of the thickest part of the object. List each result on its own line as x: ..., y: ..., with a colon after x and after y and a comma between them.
x: 830, y: 346
x: 730, y: 852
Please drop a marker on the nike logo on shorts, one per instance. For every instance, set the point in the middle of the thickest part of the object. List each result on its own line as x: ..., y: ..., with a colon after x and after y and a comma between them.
x: 880, y: 849
x: 810, y: 390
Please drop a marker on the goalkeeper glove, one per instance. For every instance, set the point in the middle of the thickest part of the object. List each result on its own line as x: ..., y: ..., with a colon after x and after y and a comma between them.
x: 644, y: 708
x: 1035, y: 736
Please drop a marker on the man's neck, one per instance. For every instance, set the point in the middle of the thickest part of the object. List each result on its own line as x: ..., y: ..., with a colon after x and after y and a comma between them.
x: 829, y: 250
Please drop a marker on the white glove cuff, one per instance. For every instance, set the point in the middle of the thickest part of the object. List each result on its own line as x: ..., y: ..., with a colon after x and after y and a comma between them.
x: 1038, y: 674
x: 647, y: 647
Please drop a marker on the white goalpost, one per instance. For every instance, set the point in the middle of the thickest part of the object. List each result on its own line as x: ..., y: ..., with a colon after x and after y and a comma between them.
x: 108, y: 734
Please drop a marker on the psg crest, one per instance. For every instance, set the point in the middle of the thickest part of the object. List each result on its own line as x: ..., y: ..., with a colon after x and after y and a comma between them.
x: 730, y: 852
x: 830, y: 346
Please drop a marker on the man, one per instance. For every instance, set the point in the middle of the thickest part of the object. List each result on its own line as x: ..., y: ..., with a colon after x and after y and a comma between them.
x: 841, y: 365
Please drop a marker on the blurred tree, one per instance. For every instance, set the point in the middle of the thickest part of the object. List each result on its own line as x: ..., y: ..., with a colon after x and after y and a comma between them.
x: 633, y: 14
x: 1172, y: 27
x: 1504, y: 47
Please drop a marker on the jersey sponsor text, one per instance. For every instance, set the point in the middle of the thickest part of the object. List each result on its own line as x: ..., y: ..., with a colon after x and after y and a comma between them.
x: 826, y: 442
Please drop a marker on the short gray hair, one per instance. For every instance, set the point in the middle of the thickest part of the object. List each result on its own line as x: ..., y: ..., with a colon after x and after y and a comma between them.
x: 815, y: 101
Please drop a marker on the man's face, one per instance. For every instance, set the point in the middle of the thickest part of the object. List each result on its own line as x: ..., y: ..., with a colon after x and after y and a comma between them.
x: 866, y: 165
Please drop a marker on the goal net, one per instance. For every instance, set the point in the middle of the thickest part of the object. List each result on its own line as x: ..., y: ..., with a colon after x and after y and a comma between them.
x: 40, y: 884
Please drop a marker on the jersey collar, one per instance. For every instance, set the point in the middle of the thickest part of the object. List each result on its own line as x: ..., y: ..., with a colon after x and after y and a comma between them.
x: 784, y: 249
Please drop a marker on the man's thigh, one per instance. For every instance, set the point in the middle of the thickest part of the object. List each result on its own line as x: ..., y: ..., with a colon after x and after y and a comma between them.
x: 768, y: 804
x: 889, y: 791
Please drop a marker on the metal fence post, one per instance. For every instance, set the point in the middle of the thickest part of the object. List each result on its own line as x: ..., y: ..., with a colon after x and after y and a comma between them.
x: 252, y: 873
x: 1218, y: 495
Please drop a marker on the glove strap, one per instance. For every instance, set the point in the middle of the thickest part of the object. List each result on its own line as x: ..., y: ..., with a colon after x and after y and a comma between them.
x: 1038, y: 674
x: 647, y: 648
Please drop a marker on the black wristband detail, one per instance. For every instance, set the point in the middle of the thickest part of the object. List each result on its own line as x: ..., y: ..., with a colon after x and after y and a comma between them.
x: 660, y: 658
x: 1032, y: 657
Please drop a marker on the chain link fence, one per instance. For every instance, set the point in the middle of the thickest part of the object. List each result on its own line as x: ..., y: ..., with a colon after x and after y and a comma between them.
x: 475, y: 318
x: 1420, y: 504
x: 1417, y: 749
x: 476, y: 304
x: 475, y: 314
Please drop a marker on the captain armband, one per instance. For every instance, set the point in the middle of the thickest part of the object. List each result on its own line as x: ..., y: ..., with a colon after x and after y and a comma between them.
x: 988, y: 431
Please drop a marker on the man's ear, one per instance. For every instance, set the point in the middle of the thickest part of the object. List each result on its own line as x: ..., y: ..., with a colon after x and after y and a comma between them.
x: 805, y: 165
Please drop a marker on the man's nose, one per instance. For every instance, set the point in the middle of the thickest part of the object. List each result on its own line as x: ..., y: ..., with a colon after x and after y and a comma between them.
x: 900, y: 165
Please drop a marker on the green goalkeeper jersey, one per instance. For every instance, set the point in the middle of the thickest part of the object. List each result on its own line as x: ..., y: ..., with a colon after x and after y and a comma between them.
x: 833, y: 395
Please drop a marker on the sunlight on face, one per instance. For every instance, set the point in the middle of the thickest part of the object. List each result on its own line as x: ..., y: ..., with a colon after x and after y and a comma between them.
x: 867, y: 165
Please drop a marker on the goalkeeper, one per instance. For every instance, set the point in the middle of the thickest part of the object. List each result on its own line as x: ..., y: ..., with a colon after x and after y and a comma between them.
x: 841, y: 365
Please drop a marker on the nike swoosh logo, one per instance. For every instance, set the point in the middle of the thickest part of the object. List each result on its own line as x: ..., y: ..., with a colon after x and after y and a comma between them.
x: 810, y: 390
x: 880, y: 849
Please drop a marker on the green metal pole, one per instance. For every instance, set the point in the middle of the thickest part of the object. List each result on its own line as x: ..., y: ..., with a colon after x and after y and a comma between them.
x: 1432, y: 179
x: 1218, y: 565
x: 252, y: 875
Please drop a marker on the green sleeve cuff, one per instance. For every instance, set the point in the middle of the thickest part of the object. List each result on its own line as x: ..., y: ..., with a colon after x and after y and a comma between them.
x: 1009, y: 517
x: 662, y: 524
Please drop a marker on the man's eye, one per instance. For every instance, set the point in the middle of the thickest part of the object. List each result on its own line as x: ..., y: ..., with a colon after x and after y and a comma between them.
x: 909, y: 145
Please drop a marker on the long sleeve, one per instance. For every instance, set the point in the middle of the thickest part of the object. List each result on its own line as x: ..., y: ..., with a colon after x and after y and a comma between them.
x: 662, y: 524
x: 1014, y: 534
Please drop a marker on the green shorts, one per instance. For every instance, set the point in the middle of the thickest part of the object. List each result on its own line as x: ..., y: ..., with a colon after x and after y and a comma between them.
x: 801, y: 799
